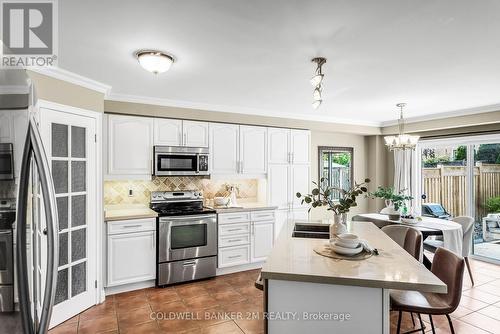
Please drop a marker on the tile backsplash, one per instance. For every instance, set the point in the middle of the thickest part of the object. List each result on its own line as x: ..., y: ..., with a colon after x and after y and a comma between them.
x: 116, y: 192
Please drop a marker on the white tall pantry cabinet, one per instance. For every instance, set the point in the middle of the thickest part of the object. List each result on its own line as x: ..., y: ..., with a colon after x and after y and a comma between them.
x: 289, y: 172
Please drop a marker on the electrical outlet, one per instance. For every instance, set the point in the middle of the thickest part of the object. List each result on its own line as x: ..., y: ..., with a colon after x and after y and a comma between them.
x: 130, y: 192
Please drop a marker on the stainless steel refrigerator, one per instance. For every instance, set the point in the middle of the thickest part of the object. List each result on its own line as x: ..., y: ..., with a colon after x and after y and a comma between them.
x: 26, y: 302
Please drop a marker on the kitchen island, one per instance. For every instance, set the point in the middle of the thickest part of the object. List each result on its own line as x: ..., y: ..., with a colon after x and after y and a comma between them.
x: 309, y: 293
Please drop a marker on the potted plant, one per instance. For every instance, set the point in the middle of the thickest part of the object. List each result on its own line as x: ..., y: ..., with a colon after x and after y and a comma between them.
x: 394, y: 202
x: 321, y: 196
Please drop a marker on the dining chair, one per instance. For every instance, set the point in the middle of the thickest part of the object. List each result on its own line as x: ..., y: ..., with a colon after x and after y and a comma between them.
x: 449, y: 268
x: 468, y: 230
x: 407, y: 237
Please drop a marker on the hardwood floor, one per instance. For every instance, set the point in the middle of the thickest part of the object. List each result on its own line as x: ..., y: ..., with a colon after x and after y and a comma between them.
x: 208, y: 302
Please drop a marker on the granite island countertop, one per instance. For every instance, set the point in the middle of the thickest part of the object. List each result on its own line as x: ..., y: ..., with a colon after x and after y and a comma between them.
x: 127, y: 211
x: 294, y: 259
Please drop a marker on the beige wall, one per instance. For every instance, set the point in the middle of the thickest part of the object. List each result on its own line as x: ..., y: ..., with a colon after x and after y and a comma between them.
x: 213, y: 116
x: 451, y: 125
x: 321, y: 138
x: 54, y: 90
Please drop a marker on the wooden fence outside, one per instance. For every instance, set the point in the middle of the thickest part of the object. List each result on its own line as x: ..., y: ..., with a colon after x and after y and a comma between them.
x: 447, y: 185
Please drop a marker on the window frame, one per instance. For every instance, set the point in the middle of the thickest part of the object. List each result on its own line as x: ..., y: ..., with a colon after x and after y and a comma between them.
x: 335, y: 149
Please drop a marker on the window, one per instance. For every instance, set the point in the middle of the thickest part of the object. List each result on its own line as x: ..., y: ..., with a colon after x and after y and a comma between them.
x: 336, y: 167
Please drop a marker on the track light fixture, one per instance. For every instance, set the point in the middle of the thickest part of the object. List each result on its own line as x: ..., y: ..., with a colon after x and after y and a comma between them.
x: 317, y: 82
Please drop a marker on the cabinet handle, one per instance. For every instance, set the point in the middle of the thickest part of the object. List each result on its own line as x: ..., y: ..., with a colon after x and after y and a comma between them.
x: 131, y: 226
x: 153, y: 241
x: 189, y: 263
x: 185, y: 139
x: 241, y: 167
x: 293, y: 157
x: 234, y: 257
x: 234, y: 240
x: 235, y: 229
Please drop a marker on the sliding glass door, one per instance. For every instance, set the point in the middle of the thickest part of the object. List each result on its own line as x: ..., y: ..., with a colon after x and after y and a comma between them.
x: 487, y: 199
x: 461, y: 177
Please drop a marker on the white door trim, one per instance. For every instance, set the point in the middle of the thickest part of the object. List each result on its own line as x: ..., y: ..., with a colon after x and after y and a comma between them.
x: 99, y: 218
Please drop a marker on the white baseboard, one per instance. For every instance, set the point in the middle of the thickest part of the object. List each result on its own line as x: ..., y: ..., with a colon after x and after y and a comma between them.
x: 235, y: 269
x: 112, y: 290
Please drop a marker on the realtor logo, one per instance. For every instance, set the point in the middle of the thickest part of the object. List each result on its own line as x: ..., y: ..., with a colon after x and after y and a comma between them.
x: 29, y: 33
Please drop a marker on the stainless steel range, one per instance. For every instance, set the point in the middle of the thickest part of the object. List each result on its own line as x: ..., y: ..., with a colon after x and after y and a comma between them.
x: 186, y: 237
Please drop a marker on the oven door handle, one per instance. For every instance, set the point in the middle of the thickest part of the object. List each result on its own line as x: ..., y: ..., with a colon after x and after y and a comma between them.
x: 186, y: 218
x: 197, y: 164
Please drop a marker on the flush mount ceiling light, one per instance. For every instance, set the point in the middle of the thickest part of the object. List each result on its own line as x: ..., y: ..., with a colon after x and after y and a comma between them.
x: 154, y: 61
x: 402, y: 141
x: 317, y: 81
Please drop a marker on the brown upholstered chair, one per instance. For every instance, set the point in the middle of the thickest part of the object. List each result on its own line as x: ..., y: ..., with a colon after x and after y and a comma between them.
x: 449, y: 268
x: 407, y: 237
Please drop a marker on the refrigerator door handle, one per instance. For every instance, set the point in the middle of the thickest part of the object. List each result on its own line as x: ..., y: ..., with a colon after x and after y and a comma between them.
x: 34, y: 147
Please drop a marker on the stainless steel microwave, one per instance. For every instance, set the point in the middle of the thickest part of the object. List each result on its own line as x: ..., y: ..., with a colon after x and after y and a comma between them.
x: 6, y: 161
x: 175, y: 160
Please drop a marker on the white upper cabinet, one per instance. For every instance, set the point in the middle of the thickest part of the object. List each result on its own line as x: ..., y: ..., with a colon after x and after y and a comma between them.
x: 168, y: 132
x: 224, y: 145
x: 238, y: 149
x: 253, y: 147
x: 13, y: 129
x: 195, y: 134
x: 279, y: 192
x: 300, y: 142
x: 176, y: 132
x: 278, y: 145
x: 6, y: 126
x: 300, y: 181
x: 130, y: 145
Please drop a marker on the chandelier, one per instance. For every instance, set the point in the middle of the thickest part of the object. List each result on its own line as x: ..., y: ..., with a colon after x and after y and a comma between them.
x: 317, y: 81
x: 402, y: 141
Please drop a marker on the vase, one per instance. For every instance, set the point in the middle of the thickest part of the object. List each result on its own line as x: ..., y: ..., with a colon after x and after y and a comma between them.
x: 338, y: 225
x: 390, y: 210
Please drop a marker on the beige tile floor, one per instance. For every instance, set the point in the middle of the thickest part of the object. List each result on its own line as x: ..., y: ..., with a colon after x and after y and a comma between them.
x: 479, y: 310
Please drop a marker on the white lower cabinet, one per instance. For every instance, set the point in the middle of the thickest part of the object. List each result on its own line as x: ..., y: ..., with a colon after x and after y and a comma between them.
x: 245, y: 237
x: 234, y: 256
x: 262, y: 240
x: 131, y: 251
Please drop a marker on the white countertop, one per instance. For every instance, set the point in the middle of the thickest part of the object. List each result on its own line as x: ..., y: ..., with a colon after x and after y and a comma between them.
x: 127, y: 211
x: 246, y: 206
x: 294, y: 259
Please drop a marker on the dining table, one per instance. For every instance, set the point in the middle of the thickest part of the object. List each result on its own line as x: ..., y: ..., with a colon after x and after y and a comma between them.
x: 450, y: 231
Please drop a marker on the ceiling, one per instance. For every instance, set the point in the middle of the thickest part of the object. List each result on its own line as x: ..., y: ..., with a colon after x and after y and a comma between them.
x: 254, y: 56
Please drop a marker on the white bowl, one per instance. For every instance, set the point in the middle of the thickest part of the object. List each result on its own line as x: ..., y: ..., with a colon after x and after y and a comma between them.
x: 220, y: 201
x: 342, y: 243
x: 346, y: 251
x: 348, y: 239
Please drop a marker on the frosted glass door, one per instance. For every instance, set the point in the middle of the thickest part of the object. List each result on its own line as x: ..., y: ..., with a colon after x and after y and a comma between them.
x: 70, y: 146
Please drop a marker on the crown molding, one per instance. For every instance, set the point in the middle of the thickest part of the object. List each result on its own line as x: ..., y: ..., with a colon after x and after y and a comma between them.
x: 448, y: 114
x: 236, y: 110
x: 64, y: 75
